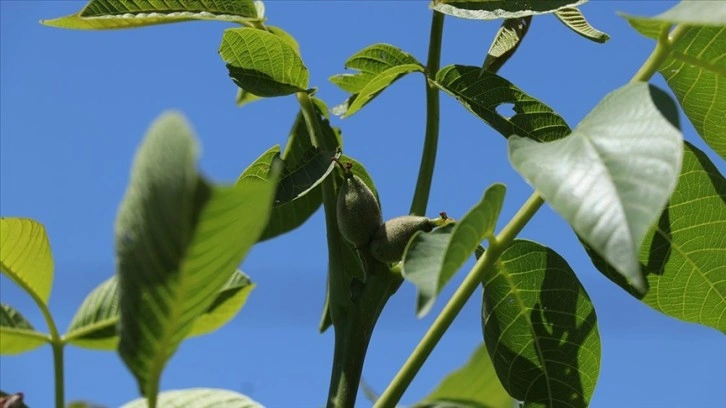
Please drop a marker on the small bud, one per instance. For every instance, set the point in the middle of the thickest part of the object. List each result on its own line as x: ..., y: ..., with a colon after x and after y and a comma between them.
x: 358, y: 212
x: 391, y: 239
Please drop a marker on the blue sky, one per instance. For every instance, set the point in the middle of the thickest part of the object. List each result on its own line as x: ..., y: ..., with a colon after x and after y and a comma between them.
x: 74, y: 105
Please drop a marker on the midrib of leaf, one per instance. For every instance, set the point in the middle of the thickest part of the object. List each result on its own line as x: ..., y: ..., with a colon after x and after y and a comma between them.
x: 698, y: 62
x: 515, y: 292
x: 26, y: 333
x: 91, y: 328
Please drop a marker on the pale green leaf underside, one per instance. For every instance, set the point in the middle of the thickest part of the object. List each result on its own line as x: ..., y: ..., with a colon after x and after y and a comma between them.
x: 378, y: 66
x: 115, y: 14
x: 431, y: 259
x: 496, y: 9
x: 482, y: 93
x: 16, y: 333
x: 612, y: 176
x: 573, y: 18
x: 696, y: 66
x: 474, y: 385
x: 263, y: 63
x: 540, y: 328
x: 506, y: 42
x: 684, y: 253
x: 178, y: 240
x: 94, y: 325
x: 198, y: 398
x: 25, y: 256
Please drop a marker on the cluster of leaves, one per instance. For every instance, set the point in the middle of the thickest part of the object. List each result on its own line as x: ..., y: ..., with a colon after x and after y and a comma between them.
x: 180, y: 238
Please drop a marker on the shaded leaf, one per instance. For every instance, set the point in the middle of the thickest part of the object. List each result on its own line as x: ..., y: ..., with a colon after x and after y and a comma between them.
x: 431, y: 259
x: 262, y: 63
x: 244, y: 97
x: 475, y: 385
x: 495, y: 9
x: 482, y: 93
x: 94, y: 325
x: 25, y: 256
x: 114, y: 14
x: 178, y: 240
x: 684, y: 254
x: 613, y: 175
x: 378, y: 66
x: 572, y: 17
x: 506, y: 42
x: 695, y: 68
x: 17, y: 335
x: 198, y: 398
x: 540, y: 328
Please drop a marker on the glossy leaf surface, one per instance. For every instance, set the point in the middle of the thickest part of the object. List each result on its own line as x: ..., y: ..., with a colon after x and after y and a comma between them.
x: 590, y: 179
x: 540, y: 328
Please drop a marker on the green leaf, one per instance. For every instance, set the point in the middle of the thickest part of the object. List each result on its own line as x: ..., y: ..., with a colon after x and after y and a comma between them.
x: 684, y: 255
x: 94, y: 325
x: 482, y: 92
x: 178, y: 240
x: 540, y: 328
x: 113, y: 14
x: 506, y: 42
x: 198, y: 398
x: 431, y: 259
x: 263, y: 63
x: 572, y: 17
x: 378, y: 66
x: 25, y: 256
x: 16, y: 333
x: 711, y: 13
x: 244, y: 97
x: 612, y: 177
x: 474, y: 385
x: 496, y: 9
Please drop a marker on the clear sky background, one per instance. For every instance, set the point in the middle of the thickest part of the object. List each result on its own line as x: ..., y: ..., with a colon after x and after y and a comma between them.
x: 74, y: 106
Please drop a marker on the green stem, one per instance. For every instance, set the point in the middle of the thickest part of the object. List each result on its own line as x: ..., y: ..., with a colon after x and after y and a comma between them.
x: 431, y: 141
x: 406, y: 374
x: 666, y: 40
x: 56, y: 343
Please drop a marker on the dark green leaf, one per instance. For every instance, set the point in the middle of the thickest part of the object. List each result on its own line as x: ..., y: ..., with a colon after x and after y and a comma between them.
x: 17, y: 334
x: 495, y: 9
x: 262, y: 63
x: 431, y: 259
x: 198, y: 398
x: 474, y: 385
x: 379, y: 65
x: 695, y: 68
x: 684, y: 255
x: 113, y: 14
x: 506, y: 42
x: 613, y: 175
x: 540, y: 328
x: 482, y: 93
x: 572, y: 17
x: 25, y: 256
x: 178, y: 240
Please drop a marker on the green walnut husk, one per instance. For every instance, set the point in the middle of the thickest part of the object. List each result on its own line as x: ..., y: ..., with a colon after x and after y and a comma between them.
x: 358, y: 212
x: 391, y: 238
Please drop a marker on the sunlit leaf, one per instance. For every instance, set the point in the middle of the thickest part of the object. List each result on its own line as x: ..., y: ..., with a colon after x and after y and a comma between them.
x: 263, y: 63
x: 25, y: 256
x: 378, y: 66
x: 612, y: 177
x: 113, y: 14
x: 475, y: 385
x: 431, y: 259
x: 540, y: 328
x: 94, y: 325
x: 495, y: 9
x: 198, y: 398
x: 17, y: 334
x: 695, y: 68
x: 572, y: 17
x: 506, y: 42
x: 684, y: 253
x: 486, y: 94
x: 178, y: 240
